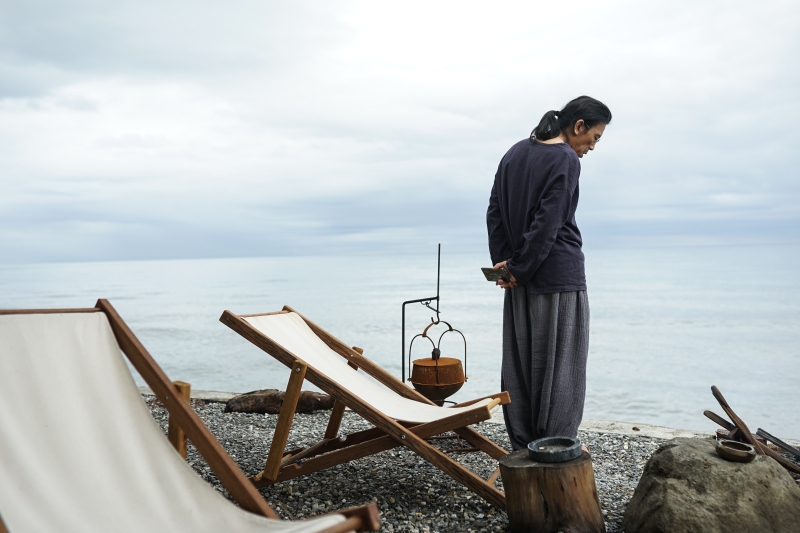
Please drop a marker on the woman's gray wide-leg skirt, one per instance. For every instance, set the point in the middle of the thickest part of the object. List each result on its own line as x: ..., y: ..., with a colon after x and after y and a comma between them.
x: 545, y: 347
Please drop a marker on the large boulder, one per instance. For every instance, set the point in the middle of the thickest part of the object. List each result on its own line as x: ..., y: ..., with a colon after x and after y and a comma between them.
x: 687, y: 488
x: 270, y: 401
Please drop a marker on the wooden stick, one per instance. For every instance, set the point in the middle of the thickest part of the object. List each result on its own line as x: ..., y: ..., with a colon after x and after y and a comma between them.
x: 370, y: 517
x: 47, y: 311
x: 760, y: 448
x: 778, y: 442
x: 736, y: 420
x: 504, y: 398
x: 494, y: 476
x: 285, y: 419
x: 311, y: 451
x: 176, y: 435
x: 335, y: 421
x: 364, y: 518
x: 788, y: 465
x: 338, y: 409
x: 481, y: 442
x: 229, y: 475
x: 719, y: 420
x: 265, y: 314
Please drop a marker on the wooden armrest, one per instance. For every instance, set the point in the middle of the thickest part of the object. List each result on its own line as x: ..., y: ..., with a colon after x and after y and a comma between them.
x: 502, y: 397
x: 364, y: 518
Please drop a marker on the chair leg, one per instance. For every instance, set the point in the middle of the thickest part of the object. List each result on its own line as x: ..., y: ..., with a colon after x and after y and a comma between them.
x: 311, y: 451
x: 285, y: 419
x: 335, y: 421
x: 332, y: 431
x: 175, y: 434
x: 494, y: 476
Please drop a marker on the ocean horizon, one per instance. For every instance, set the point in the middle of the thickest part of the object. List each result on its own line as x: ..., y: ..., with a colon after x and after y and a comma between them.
x: 666, y: 322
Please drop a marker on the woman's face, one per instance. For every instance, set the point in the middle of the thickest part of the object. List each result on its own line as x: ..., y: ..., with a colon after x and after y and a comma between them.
x: 583, y: 139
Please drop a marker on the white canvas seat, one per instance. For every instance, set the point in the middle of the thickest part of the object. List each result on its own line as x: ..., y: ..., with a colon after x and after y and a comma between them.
x: 80, y: 451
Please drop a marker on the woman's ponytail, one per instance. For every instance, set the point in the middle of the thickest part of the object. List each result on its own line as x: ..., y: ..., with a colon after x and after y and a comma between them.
x: 548, y: 127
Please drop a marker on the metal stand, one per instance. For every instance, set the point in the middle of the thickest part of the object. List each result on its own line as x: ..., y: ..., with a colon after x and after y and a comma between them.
x: 427, y: 303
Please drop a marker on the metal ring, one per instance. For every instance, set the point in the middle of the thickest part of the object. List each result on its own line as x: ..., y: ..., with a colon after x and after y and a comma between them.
x: 465, y: 346
x: 412, y: 345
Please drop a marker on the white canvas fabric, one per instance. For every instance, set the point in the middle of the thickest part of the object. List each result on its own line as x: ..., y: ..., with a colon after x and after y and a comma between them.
x: 79, y: 450
x: 291, y: 331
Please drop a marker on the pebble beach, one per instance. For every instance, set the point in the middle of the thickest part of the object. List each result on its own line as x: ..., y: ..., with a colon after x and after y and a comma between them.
x: 412, y: 495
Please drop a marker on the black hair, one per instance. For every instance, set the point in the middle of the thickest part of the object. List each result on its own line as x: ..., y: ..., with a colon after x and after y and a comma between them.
x: 592, y: 112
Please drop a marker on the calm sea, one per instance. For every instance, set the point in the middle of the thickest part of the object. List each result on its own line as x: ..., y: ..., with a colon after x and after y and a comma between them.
x: 666, y: 323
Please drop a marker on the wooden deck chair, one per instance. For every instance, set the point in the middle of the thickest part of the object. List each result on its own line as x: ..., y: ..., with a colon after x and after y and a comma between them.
x: 80, y: 451
x: 401, y: 416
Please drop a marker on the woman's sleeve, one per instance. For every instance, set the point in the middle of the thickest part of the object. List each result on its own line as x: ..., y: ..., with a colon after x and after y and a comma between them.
x: 552, y: 212
x: 499, y: 248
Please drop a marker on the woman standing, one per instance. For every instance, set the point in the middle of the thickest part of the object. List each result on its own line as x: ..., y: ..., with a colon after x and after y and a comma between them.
x: 534, y: 236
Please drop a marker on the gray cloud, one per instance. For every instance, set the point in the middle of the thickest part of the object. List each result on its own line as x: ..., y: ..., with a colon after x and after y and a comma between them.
x: 134, y: 130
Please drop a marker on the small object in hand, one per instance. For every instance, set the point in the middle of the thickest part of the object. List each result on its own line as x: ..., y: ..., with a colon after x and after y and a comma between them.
x: 555, y: 449
x: 496, y: 275
x: 732, y: 450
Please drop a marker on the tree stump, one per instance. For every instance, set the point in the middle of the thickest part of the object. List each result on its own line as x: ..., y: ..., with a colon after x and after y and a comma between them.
x: 551, y: 497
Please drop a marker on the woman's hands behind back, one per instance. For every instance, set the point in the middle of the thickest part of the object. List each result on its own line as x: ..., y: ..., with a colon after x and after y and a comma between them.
x: 511, y: 283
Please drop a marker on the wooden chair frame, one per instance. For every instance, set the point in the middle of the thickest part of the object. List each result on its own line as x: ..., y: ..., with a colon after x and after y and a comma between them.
x: 388, y: 433
x: 182, y: 415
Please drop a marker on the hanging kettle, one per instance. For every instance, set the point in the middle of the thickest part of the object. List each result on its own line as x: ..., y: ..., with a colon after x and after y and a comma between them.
x: 437, y: 377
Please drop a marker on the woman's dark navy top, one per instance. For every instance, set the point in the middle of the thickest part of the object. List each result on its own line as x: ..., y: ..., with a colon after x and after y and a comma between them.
x: 531, y: 217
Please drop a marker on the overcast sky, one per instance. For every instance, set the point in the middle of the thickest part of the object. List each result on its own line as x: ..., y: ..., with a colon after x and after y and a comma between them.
x: 134, y: 130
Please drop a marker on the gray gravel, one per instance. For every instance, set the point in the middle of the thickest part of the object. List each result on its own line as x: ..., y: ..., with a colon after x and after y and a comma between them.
x: 410, y: 493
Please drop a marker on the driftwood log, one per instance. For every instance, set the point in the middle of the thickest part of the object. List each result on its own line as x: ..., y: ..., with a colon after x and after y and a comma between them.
x: 269, y: 401
x: 551, y: 497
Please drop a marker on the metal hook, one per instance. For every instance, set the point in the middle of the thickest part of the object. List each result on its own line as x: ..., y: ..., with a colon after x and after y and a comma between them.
x: 425, y: 332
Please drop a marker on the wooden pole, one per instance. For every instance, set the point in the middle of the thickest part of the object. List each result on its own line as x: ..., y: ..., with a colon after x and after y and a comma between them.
x: 285, y: 419
x: 175, y: 434
x: 551, y: 497
x: 337, y: 413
